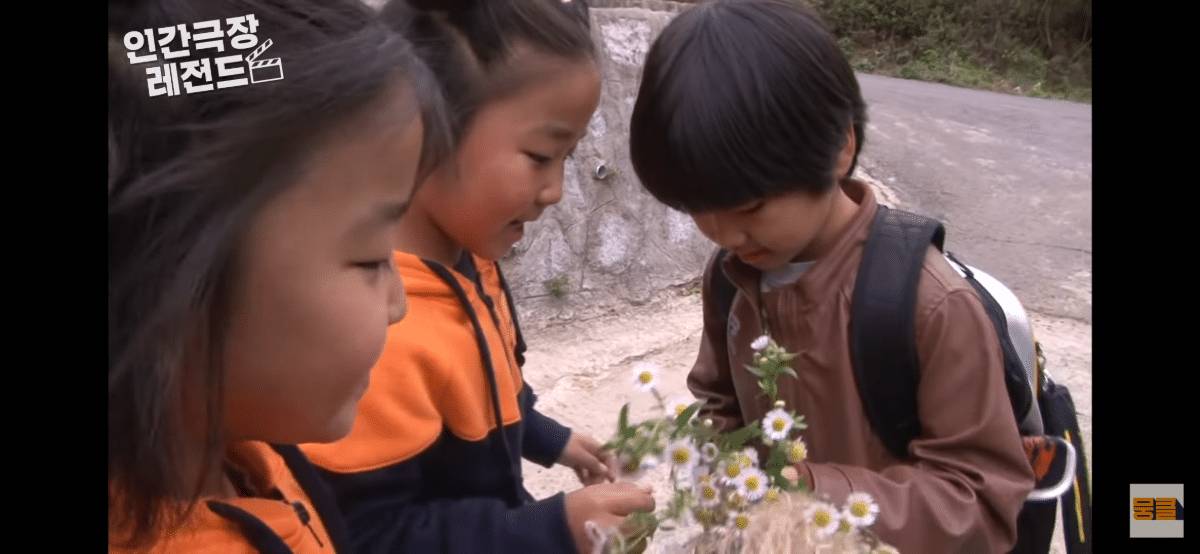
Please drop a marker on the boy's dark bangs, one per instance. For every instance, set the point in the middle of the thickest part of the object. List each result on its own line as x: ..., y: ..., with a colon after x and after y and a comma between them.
x: 712, y: 130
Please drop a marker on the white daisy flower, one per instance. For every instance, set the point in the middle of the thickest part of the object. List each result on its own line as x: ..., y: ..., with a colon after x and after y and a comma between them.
x: 707, y: 494
x: 776, y: 424
x: 678, y: 404
x: 748, y: 457
x: 683, y: 454
x: 741, y: 521
x: 823, y: 518
x: 844, y: 525
x: 729, y: 472
x: 753, y: 484
x: 709, y: 452
x: 760, y: 343
x: 645, y: 376
x: 861, y: 509
x: 797, y: 451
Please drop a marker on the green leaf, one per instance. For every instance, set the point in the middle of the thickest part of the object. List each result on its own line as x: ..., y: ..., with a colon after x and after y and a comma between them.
x: 736, y: 439
x: 638, y: 540
x: 703, y: 434
x: 644, y: 524
x: 791, y: 372
x: 678, y: 505
x: 778, y: 457
x: 623, y: 422
x: 756, y: 371
x: 776, y: 475
x: 800, y: 424
x: 687, y: 414
x: 770, y: 388
x: 787, y: 356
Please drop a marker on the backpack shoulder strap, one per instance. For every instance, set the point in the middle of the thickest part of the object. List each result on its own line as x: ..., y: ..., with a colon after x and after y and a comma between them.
x: 882, y: 329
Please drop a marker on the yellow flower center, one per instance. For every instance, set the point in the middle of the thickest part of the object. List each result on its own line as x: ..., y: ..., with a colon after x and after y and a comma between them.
x: 772, y: 495
x: 860, y: 509
x: 733, y: 470
x: 741, y: 521
x: 778, y: 425
x: 822, y: 518
x: 681, y: 456
x: 752, y: 483
x: 708, y: 492
x: 797, y: 453
x: 679, y: 409
x: 844, y: 526
x: 645, y: 377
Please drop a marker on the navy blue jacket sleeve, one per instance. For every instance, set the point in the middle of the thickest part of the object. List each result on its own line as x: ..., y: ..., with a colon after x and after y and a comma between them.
x: 544, y: 438
x: 385, y: 513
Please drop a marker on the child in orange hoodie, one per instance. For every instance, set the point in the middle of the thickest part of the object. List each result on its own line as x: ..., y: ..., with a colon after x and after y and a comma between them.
x: 434, y: 461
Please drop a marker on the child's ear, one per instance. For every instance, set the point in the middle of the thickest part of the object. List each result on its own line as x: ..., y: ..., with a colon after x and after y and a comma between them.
x: 846, y: 156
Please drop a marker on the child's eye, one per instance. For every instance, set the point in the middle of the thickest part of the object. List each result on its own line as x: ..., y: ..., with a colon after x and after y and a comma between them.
x: 538, y: 158
x: 752, y: 207
x: 375, y: 266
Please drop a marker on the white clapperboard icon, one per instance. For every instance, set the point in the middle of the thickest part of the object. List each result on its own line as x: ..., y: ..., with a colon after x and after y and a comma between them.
x: 265, y: 70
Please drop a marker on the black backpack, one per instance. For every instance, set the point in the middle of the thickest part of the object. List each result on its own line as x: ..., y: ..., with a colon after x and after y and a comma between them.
x: 884, y: 354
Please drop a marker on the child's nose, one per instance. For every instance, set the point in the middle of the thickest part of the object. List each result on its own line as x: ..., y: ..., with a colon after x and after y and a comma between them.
x: 552, y: 191
x: 728, y: 236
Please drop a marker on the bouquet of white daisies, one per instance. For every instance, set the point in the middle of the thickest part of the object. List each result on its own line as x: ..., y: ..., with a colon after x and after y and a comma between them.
x: 721, y: 491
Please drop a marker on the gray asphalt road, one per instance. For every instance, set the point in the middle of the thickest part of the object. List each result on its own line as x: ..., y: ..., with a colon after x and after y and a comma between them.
x: 1010, y: 176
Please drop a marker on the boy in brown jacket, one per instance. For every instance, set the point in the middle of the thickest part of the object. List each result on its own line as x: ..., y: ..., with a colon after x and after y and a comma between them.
x: 750, y: 119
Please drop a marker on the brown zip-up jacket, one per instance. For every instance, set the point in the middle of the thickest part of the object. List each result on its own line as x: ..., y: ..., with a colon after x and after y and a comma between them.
x: 966, y: 477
